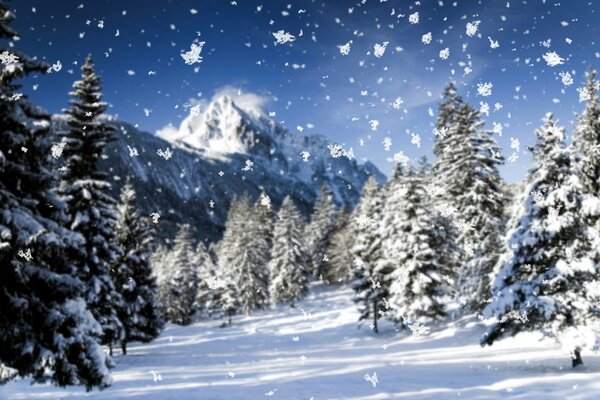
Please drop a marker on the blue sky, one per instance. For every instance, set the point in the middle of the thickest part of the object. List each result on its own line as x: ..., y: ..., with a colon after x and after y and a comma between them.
x: 338, y: 94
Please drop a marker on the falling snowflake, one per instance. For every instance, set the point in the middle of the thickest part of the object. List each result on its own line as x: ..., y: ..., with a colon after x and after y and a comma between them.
x: 132, y: 151
x: 515, y: 144
x: 57, y: 149
x: 26, y: 255
x: 493, y: 43
x: 387, y: 143
x: 372, y: 379
x: 166, y: 153
x: 283, y: 37
x: 400, y: 158
x: 345, y: 48
x: 155, y: 217
x: 7, y: 58
x: 426, y: 38
x: 374, y: 124
x: 379, y: 49
x: 248, y: 166
x: 584, y: 94
x: 305, y: 155
x: 397, y: 103
x: 414, y: 18
x: 472, y: 28
x: 193, y: 56
x: 415, y: 139
x: 553, y: 59
x: 445, y: 53
x: 566, y: 78
x: 484, y: 89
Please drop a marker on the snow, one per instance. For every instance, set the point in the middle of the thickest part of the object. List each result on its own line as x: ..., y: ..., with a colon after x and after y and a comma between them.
x: 316, y: 350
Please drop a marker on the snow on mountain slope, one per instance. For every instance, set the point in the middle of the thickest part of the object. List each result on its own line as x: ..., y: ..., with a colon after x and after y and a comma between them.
x: 316, y: 351
x: 221, y: 152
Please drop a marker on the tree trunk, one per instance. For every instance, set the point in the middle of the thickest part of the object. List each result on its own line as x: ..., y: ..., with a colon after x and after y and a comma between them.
x: 229, y: 317
x: 375, y: 317
x: 576, y: 357
x: 124, y: 347
x: 110, y: 352
x: 292, y: 304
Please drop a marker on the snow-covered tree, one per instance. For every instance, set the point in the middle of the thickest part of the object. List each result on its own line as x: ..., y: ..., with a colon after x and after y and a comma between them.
x: 46, y: 331
x: 159, y: 259
x: 467, y: 171
x: 85, y: 189
x: 179, y: 290
x: 289, y: 261
x: 339, y: 250
x: 140, y: 311
x: 366, y: 251
x: 205, y: 269
x: 548, y: 275
x: 587, y: 139
x: 418, y: 253
x: 320, y: 228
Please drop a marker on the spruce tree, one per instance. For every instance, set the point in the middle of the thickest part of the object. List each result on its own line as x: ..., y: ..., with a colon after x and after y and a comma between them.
x: 289, y: 261
x: 418, y: 252
x: 339, y: 250
x: 140, y: 311
x: 46, y: 331
x: 320, y: 228
x: 467, y: 170
x: 178, y: 292
x: 546, y: 278
x: 205, y: 270
x: 86, y: 191
x: 367, y: 252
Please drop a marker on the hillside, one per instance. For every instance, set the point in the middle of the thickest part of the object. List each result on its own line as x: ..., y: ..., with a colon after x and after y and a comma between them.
x: 315, y: 351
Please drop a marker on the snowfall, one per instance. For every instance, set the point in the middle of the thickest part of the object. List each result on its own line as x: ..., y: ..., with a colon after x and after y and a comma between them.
x: 317, y: 351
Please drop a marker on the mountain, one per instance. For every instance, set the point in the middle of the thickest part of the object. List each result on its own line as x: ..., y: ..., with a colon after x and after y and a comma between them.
x: 191, y: 174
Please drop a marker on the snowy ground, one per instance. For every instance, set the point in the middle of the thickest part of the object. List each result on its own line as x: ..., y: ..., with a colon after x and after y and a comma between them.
x: 316, y: 351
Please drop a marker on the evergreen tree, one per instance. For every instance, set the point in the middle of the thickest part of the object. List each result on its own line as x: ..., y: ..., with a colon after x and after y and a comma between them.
x: 418, y: 251
x: 544, y: 281
x: 339, y: 250
x: 178, y: 293
x: 367, y: 252
x: 447, y: 111
x: 159, y: 259
x: 587, y: 139
x: 320, y: 228
x: 289, y: 262
x: 46, y: 331
x: 467, y: 169
x: 140, y: 313
x: 205, y: 270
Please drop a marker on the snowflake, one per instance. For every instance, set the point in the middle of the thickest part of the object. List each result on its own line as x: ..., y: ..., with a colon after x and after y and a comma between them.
x: 553, y: 59
x: 387, y: 143
x: 132, y: 151
x: 484, y: 108
x: 248, y: 166
x: 515, y: 144
x: 57, y: 149
x: 397, y: 103
x: 283, y: 37
x: 566, y: 78
x: 193, y: 56
x: 415, y: 139
x: 400, y: 158
x: 55, y: 67
x: 26, y: 255
x: 336, y: 151
x: 484, y: 89
x: 417, y: 328
x: 305, y: 155
x: 584, y: 94
x: 7, y: 58
x: 472, y: 28
x: 374, y: 124
x: 426, y: 38
x: 497, y: 128
x: 445, y: 53
x: 156, y: 376
x: 166, y: 154
x: 414, y: 18
x: 379, y: 49
x: 372, y: 379
x: 493, y: 43
x: 195, y: 110
x: 441, y: 133
x: 155, y: 216
x: 345, y: 48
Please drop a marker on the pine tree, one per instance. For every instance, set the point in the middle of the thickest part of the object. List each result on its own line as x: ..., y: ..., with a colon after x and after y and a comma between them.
x: 289, y: 262
x: 418, y: 252
x: 367, y: 252
x: 159, y: 259
x: 320, y: 228
x: 339, y: 250
x: 179, y: 291
x: 447, y: 111
x: 46, y: 331
x: 91, y: 208
x: 205, y: 270
x: 587, y: 139
x: 140, y: 313
x: 467, y: 169
x: 546, y: 275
